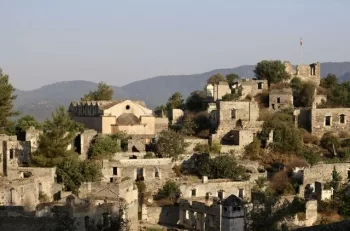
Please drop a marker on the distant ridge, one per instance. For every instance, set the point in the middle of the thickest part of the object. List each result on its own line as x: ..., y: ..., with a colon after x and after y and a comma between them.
x: 154, y: 91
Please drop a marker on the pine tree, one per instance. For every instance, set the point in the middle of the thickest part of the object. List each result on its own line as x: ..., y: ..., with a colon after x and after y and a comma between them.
x: 6, y: 102
x: 103, y: 92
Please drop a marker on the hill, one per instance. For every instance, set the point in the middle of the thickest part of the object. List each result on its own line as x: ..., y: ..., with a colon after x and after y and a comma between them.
x: 154, y: 91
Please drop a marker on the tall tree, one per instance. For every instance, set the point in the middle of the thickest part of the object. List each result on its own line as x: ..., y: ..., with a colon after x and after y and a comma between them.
x: 231, y: 78
x: 273, y: 71
x: 215, y: 79
x: 175, y: 101
x: 170, y: 144
x: 58, y: 134
x: 25, y: 122
x: 103, y: 92
x: 196, y: 101
x: 6, y: 101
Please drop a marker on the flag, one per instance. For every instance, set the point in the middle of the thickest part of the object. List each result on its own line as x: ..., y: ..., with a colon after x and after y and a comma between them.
x: 301, y: 41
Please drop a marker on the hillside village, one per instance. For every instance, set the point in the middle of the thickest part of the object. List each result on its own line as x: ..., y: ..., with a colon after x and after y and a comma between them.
x: 267, y: 153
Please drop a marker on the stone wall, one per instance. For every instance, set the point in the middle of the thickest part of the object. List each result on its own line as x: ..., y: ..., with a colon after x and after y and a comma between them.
x: 280, y: 99
x: 253, y: 87
x: 165, y: 215
x: 303, y: 118
x: 306, y: 73
x: 193, y: 142
x: 150, y: 169
x: 28, y: 223
x: 220, y: 90
x: 161, y: 124
x: 329, y: 120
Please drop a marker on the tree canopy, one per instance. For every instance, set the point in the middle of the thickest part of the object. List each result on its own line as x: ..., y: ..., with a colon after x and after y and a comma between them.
x: 175, y: 101
x: 303, y: 92
x: 58, y: 134
x: 25, y: 122
x: 337, y: 93
x: 231, y: 78
x: 103, y: 92
x: 6, y: 101
x: 104, y: 146
x: 216, y: 78
x: 272, y: 70
x: 170, y: 144
x: 195, y: 102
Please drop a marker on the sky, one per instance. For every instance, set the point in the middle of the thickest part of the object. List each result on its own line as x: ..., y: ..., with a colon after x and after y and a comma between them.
x: 118, y: 42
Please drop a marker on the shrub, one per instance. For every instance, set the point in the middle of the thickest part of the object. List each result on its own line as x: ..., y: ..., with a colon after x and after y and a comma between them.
x: 308, y: 138
x: 104, y: 146
x: 43, y: 198
x: 281, y: 183
x: 202, y: 148
x: 149, y: 155
x: 330, y: 142
x: 252, y: 150
x: 215, y: 147
x: 177, y: 170
x: 141, y: 186
x: 170, y: 191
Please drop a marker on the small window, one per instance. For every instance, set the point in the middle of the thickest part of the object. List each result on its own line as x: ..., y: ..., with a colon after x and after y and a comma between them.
x: 127, y: 107
x: 278, y: 100
x: 193, y: 193
x: 260, y: 85
x: 11, y: 153
x: 328, y: 120
x: 348, y: 174
x: 273, y: 106
x: 342, y: 119
x: 221, y: 194
x: 156, y: 173
x: 233, y: 114
x: 241, y: 193
x: 115, y: 171
x: 111, y: 180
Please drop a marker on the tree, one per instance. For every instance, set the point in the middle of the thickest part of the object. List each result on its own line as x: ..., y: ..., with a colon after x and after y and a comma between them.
x: 175, y: 101
x: 221, y: 167
x: 170, y: 191
x: 24, y: 123
x: 103, y: 92
x: 215, y: 79
x: 330, y: 81
x: 170, y: 144
x: 188, y: 126
x: 231, y: 78
x: 303, y: 93
x: 196, y: 101
x: 6, y: 101
x: 272, y: 70
x: 330, y: 142
x: 104, y: 147
x: 58, y: 134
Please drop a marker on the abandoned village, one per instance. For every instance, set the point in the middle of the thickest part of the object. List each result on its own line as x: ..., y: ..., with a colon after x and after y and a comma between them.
x: 149, y: 185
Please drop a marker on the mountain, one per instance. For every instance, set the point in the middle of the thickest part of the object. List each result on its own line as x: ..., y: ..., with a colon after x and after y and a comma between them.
x: 155, y: 91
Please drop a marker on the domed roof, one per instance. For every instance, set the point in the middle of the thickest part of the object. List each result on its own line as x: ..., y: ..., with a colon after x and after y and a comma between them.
x: 127, y: 119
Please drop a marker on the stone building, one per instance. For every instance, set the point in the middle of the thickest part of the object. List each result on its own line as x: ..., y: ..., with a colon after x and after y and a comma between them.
x: 82, y: 142
x: 217, y: 91
x: 108, y: 117
x: 306, y: 73
x: 13, y: 153
x: 153, y: 171
x: 225, y: 215
x: 250, y: 87
x: 281, y: 99
x: 329, y: 120
x: 236, y: 122
x: 26, y: 186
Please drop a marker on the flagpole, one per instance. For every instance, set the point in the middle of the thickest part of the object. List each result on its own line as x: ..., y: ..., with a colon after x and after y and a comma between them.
x: 301, y: 51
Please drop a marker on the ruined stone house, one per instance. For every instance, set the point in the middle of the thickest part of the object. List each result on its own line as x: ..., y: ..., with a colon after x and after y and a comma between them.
x: 306, y: 73
x: 281, y: 99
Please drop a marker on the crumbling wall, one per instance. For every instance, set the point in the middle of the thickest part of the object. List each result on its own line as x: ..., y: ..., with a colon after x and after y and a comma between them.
x: 280, y: 99
x: 192, y: 144
x: 161, y: 124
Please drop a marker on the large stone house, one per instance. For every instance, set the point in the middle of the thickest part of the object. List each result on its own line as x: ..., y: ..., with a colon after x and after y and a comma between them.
x: 109, y: 117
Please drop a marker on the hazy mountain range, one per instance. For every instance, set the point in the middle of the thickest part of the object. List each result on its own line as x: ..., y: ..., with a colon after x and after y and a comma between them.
x: 155, y: 91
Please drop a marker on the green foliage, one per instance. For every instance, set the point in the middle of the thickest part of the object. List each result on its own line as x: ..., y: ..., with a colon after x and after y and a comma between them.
x: 215, y: 79
x: 103, y: 92
x: 202, y: 148
x: 170, y: 144
x: 196, y: 101
x: 310, y: 156
x: 221, y: 167
x: 43, y: 198
x: 252, y: 150
x: 330, y: 142
x: 104, y: 147
x: 58, y: 133
x: 231, y: 78
x: 271, y: 70
x: 149, y: 155
x: 170, y: 191
x: 175, y: 101
x: 123, y: 137
x: 303, y: 93
x: 6, y: 102
x: 338, y: 93
x: 188, y: 127
x: 230, y: 97
x: 336, y: 179
x: 215, y: 147
x: 24, y: 123
x: 286, y: 138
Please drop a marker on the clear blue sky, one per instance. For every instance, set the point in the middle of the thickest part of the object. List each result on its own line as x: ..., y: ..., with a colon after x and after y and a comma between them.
x: 42, y: 41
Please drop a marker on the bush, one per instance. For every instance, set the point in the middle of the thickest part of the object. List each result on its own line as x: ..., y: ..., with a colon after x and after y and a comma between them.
x: 308, y: 138
x: 104, y: 147
x: 177, y: 170
x: 252, y: 150
x: 281, y: 183
x: 202, y: 148
x: 215, y: 147
x: 149, y: 155
x: 141, y: 186
x: 330, y: 142
x: 221, y: 167
x: 170, y: 144
x: 170, y: 191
